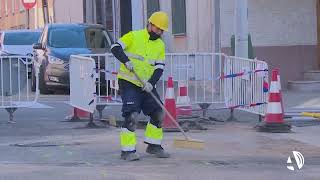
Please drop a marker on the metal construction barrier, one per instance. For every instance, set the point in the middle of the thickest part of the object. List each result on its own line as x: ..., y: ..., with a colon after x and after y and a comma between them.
x: 210, y: 78
x: 107, y: 90
x: 246, y: 84
x: 15, y: 88
x: 200, y: 72
x: 83, y: 83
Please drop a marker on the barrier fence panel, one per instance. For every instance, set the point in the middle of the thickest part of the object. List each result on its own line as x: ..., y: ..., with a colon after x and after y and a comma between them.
x: 107, y: 90
x: 83, y: 83
x: 199, y: 72
x: 15, y: 88
x: 107, y: 67
x: 245, y: 84
x: 210, y: 78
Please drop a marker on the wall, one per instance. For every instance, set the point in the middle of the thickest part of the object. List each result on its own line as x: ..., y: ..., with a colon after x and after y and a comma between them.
x: 199, y: 27
x: 274, y: 22
x: 16, y: 16
x: 18, y: 19
x: 271, y: 23
x: 68, y: 11
x: 284, y: 32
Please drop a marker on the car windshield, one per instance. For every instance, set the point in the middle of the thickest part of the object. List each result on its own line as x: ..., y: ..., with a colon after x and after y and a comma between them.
x: 78, y: 38
x: 67, y: 38
x: 21, y: 38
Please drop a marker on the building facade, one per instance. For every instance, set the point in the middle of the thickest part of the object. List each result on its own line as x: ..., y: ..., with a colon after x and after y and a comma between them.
x: 14, y: 16
x: 284, y: 32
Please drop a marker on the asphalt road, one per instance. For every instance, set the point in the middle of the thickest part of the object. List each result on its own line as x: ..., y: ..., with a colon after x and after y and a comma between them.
x: 40, y: 145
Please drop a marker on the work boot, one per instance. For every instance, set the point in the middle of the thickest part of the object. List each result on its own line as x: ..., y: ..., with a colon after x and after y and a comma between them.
x: 129, y: 156
x: 157, y: 150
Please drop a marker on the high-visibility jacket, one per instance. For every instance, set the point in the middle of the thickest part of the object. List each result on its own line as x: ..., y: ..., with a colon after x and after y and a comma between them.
x: 146, y: 55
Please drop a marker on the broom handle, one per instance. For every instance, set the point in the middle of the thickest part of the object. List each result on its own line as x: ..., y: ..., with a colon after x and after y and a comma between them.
x: 164, y: 108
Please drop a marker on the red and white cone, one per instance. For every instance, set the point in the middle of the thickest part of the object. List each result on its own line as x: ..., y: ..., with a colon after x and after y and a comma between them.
x: 184, y: 107
x: 77, y: 115
x: 273, y: 121
x: 170, y: 105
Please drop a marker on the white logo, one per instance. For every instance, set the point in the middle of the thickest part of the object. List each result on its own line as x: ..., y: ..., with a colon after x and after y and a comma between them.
x: 298, y: 157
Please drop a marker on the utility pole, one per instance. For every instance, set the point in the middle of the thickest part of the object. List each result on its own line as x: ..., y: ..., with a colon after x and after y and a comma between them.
x: 45, y: 11
x: 241, y: 28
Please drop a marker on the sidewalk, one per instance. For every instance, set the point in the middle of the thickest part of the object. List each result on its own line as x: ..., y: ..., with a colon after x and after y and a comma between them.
x: 297, y: 102
x: 305, y: 100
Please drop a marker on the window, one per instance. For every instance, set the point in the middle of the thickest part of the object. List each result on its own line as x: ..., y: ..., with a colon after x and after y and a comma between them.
x: 67, y: 38
x: 96, y: 39
x: 178, y: 17
x: 21, y: 38
x: 152, y: 6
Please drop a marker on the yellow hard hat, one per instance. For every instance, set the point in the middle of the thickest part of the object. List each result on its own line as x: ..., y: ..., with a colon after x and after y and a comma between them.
x: 160, y: 19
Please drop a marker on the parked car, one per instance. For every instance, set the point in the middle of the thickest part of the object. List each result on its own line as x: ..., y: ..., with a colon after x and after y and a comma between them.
x: 57, y: 43
x: 18, y: 42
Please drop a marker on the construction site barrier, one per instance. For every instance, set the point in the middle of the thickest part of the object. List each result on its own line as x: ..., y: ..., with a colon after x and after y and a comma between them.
x: 208, y: 78
x: 246, y: 84
x: 15, y: 88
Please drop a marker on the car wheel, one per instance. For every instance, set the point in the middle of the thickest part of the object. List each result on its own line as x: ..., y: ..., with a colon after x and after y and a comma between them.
x: 33, y: 81
x: 42, y: 83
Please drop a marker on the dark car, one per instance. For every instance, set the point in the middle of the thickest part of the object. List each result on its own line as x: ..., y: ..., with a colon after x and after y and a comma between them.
x: 57, y: 43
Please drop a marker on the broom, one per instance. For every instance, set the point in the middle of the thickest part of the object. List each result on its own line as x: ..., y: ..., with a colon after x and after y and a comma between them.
x: 187, y: 142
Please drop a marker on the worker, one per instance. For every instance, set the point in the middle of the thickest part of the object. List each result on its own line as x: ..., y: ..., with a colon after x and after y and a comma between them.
x: 142, y: 52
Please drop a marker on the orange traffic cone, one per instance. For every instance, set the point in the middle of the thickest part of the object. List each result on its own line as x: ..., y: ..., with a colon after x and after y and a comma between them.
x: 184, y: 107
x: 77, y: 115
x: 170, y: 105
x: 274, y: 116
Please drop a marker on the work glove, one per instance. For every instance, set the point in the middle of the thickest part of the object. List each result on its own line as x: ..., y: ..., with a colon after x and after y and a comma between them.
x: 129, y: 66
x: 147, y: 86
